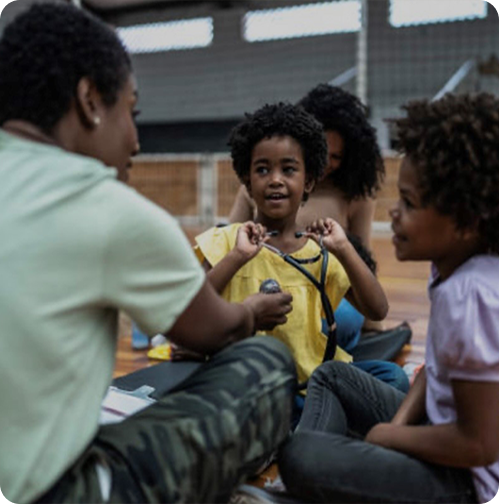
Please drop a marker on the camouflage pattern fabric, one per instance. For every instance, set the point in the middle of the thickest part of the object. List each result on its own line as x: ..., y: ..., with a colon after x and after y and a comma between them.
x: 198, y: 442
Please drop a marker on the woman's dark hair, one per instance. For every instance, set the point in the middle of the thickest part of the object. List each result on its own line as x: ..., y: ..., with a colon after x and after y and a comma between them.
x: 362, y: 169
x: 454, y: 145
x: 45, y: 52
x: 281, y: 119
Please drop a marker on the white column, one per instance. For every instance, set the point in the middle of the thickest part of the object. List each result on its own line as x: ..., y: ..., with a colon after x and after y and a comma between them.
x: 362, y: 84
x: 207, y: 189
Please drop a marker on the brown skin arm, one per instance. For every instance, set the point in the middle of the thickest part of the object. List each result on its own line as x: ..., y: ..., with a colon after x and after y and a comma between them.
x: 249, y: 241
x: 243, y: 208
x: 269, y: 310
x: 209, y: 323
x: 360, y: 218
x: 365, y: 293
x: 471, y: 441
x: 413, y: 408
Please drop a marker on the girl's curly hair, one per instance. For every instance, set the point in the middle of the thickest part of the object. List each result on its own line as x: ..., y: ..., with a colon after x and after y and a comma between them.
x: 281, y: 119
x: 362, y: 169
x: 454, y: 145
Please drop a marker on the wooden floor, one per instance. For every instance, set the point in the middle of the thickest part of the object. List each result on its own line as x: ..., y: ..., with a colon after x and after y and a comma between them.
x: 404, y: 284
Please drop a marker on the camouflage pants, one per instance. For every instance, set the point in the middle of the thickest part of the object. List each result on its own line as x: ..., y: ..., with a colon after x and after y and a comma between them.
x: 197, y: 442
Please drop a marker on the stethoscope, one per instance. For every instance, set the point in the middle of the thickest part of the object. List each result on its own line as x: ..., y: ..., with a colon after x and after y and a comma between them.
x: 319, y: 285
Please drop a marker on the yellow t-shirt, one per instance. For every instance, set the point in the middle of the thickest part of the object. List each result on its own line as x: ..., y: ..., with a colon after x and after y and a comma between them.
x: 302, y: 332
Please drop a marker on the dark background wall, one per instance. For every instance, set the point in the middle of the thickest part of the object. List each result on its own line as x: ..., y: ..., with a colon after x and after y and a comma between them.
x: 190, y: 99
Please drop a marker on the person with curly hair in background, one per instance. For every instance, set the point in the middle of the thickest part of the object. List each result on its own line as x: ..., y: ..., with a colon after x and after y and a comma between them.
x: 361, y: 441
x: 79, y: 247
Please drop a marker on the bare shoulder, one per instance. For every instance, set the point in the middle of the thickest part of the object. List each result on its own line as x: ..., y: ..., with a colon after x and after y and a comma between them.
x: 361, y: 205
x: 323, y: 204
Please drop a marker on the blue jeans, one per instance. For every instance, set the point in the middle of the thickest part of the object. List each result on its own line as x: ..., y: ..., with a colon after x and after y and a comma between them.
x: 326, y: 460
x: 349, y: 323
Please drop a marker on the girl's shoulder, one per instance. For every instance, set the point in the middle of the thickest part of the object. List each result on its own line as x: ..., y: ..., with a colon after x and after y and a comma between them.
x: 479, y: 269
x: 477, y: 277
x: 226, y: 234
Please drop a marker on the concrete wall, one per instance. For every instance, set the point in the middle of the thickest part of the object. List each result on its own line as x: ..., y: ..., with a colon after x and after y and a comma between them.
x: 197, y: 94
x: 231, y: 76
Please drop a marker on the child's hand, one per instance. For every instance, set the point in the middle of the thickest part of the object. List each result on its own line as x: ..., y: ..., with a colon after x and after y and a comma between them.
x: 333, y: 235
x: 250, y: 239
x: 381, y: 435
x: 270, y: 309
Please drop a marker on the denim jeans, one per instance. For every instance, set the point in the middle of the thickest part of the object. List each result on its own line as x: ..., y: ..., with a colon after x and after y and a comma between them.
x: 326, y: 460
x: 349, y: 324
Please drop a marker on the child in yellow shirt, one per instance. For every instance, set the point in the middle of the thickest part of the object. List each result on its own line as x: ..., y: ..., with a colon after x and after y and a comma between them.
x: 279, y: 153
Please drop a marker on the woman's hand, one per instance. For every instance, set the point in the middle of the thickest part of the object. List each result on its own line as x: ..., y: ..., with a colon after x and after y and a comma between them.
x: 250, y: 239
x: 333, y: 236
x: 269, y: 310
x: 180, y: 353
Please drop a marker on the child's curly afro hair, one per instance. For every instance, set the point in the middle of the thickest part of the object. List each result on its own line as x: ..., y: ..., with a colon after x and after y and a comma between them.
x: 454, y: 145
x: 362, y: 169
x: 281, y: 119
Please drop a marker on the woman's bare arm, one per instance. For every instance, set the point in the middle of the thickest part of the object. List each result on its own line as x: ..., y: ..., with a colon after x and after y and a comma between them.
x: 209, y: 323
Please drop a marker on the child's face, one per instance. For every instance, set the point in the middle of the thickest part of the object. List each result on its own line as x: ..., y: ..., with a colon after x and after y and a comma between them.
x: 278, y: 178
x: 421, y: 232
x: 335, y: 152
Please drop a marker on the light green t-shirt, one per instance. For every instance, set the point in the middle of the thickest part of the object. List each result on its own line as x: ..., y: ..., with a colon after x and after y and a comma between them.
x: 77, y: 246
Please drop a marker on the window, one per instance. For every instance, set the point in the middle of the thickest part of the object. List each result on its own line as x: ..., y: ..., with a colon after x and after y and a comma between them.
x: 409, y: 12
x: 173, y: 35
x: 302, y: 21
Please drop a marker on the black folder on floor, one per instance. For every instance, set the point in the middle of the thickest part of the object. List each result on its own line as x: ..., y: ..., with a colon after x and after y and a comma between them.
x: 162, y: 377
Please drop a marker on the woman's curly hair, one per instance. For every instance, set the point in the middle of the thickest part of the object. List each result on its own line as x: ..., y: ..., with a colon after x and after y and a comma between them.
x: 281, y: 119
x: 454, y: 145
x: 45, y: 52
x: 362, y: 170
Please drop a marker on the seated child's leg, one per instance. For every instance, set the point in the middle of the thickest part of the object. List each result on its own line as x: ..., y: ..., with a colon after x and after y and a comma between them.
x: 344, y: 399
x: 387, y: 372
x: 198, y: 442
x: 325, y: 467
x: 348, y: 325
